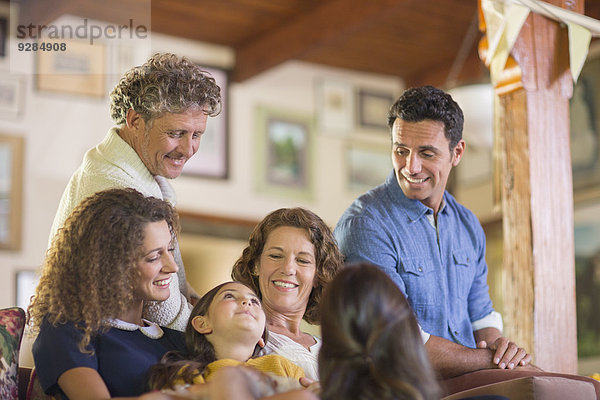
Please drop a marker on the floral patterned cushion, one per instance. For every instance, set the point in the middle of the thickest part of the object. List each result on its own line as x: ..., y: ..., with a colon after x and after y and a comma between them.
x: 12, y: 323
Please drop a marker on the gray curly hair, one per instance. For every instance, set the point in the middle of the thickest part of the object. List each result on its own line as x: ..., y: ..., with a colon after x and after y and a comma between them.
x: 164, y: 84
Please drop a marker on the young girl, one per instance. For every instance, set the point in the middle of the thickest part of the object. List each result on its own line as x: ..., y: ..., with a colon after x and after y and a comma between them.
x: 226, y: 328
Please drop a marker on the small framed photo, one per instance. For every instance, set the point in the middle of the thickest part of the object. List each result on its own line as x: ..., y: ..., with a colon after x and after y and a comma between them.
x: 5, y: 18
x: 3, y: 35
x: 373, y: 108
x: 11, y: 189
x: 367, y: 166
x: 9, y: 12
x: 11, y: 96
x: 284, y: 153
x: 26, y: 280
x: 79, y: 69
x: 335, y: 106
x: 212, y: 158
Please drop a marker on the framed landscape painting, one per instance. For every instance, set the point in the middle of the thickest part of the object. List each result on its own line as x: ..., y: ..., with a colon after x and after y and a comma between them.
x: 11, y: 188
x: 284, y: 153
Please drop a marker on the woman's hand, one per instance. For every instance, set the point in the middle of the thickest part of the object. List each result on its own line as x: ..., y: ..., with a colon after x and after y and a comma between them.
x: 311, y: 385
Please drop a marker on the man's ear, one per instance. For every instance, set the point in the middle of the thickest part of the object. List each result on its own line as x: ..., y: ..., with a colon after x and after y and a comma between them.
x: 458, y: 152
x: 134, y: 120
x: 201, y: 324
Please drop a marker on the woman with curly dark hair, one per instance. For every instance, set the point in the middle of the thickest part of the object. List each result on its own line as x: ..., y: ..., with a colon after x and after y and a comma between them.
x: 290, y: 258
x: 113, y: 254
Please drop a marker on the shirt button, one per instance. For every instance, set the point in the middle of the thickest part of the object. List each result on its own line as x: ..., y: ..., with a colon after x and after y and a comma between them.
x: 456, y: 333
x: 420, y: 269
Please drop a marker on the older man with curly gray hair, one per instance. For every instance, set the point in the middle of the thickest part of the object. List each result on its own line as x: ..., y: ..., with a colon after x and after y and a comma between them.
x: 160, y: 110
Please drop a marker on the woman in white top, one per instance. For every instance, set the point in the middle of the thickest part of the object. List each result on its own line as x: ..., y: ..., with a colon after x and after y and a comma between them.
x: 291, y: 256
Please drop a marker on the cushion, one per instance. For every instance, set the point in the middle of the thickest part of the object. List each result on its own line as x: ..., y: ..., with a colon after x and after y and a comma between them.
x: 533, y: 387
x: 537, y: 383
x: 12, y: 323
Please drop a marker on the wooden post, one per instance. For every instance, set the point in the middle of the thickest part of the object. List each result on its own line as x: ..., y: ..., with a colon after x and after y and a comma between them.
x: 536, y: 190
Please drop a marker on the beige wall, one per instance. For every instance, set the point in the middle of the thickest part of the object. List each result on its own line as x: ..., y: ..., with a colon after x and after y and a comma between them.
x: 58, y: 128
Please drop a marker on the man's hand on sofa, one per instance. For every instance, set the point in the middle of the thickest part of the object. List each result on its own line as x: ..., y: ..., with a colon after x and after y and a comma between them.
x: 507, y: 354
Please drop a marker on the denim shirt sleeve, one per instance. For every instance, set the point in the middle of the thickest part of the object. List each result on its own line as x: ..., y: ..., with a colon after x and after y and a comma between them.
x: 361, y: 238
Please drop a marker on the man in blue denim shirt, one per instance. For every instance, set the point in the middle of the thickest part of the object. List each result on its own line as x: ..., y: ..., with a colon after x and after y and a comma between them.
x: 431, y: 246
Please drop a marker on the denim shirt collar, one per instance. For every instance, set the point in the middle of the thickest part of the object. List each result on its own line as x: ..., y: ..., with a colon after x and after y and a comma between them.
x: 413, y: 209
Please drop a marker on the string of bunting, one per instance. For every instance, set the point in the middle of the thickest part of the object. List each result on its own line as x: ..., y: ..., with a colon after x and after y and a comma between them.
x: 505, y: 18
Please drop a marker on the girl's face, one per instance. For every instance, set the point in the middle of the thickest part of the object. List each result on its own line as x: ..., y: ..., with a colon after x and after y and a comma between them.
x: 235, y: 309
x: 287, y: 270
x: 156, y: 264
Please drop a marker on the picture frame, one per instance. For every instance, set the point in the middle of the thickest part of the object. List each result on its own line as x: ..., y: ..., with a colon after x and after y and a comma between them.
x: 11, y: 96
x: 26, y: 280
x: 8, y: 11
x: 4, y: 26
x: 212, y: 158
x: 335, y: 106
x: 585, y: 129
x: 284, y: 153
x: 11, y: 191
x: 79, y: 70
x: 373, y: 108
x: 367, y: 166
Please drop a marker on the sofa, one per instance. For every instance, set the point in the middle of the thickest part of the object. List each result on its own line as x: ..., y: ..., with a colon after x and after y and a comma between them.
x: 521, y: 384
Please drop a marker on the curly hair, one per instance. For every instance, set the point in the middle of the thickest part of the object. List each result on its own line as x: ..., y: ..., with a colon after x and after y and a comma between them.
x: 428, y: 102
x: 328, y: 257
x: 90, y: 270
x: 164, y: 84
x: 175, y: 365
x: 372, y: 347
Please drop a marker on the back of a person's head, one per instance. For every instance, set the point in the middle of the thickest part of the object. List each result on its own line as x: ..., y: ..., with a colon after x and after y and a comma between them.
x: 372, y: 347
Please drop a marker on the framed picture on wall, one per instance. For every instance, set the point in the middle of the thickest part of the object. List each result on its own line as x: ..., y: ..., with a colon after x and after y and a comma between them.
x: 373, y: 108
x: 11, y: 96
x: 335, y: 106
x: 212, y: 158
x: 367, y: 166
x: 79, y: 69
x: 284, y: 153
x: 5, y: 18
x: 11, y: 187
x: 3, y: 35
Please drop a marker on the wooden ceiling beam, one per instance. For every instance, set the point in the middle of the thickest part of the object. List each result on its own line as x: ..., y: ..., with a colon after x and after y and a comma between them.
x: 472, y: 71
x: 327, y: 23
